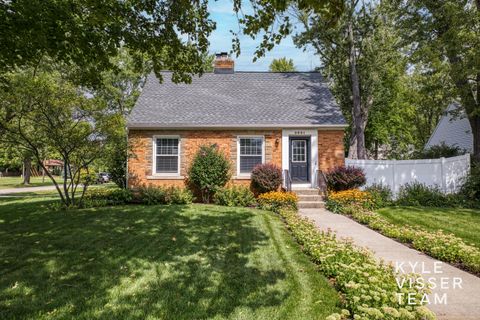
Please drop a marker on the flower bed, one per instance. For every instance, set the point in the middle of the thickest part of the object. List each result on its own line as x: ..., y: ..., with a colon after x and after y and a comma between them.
x: 276, y: 200
x: 445, y: 247
x: 338, y: 200
x: 369, y: 288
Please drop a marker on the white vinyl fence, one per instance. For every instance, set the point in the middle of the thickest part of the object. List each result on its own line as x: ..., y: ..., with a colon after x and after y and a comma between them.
x: 446, y: 173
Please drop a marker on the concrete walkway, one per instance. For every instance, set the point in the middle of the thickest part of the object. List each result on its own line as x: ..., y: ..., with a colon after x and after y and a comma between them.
x: 26, y: 189
x: 462, y: 289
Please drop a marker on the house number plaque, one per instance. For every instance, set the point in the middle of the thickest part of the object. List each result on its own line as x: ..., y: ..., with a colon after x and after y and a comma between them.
x: 299, y: 133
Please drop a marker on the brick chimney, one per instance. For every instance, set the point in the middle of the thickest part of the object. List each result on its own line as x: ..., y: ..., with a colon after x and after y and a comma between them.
x: 223, y: 63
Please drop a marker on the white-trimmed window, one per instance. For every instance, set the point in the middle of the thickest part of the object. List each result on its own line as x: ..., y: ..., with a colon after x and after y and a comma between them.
x: 166, y: 155
x: 250, y: 153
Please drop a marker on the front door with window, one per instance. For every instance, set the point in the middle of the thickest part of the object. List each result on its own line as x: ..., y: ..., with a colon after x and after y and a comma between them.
x: 300, y: 159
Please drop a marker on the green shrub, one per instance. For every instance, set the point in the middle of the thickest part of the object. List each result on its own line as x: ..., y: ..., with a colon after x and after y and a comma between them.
x: 87, y: 177
x: 381, y: 194
x: 176, y: 195
x: 277, y: 200
x: 151, y: 195
x: 236, y: 196
x: 471, y: 186
x: 108, y: 196
x: 210, y: 170
x: 439, y: 151
x: 266, y: 177
x: 419, y: 194
x: 369, y: 288
x: 345, y: 178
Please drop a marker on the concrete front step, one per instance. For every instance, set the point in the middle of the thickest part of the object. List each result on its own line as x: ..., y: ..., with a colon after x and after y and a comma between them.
x: 311, y: 204
x: 306, y: 191
x: 315, y: 197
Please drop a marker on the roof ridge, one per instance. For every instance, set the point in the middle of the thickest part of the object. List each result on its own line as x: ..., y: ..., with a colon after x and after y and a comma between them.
x: 247, y: 71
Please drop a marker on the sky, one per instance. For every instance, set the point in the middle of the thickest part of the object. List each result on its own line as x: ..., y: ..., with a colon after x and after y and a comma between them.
x: 221, y: 40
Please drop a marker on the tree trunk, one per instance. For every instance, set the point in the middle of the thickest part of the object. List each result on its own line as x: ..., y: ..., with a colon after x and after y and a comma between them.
x: 475, y: 124
x: 352, y: 149
x: 27, y: 170
x: 358, y: 117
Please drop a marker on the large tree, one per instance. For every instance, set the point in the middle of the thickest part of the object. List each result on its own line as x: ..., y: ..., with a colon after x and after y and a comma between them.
x: 47, y: 113
x: 85, y: 33
x: 447, y: 31
x: 172, y: 34
x: 359, y: 58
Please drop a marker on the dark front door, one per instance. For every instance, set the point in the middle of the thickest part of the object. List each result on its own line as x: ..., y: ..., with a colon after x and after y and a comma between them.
x: 300, y: 159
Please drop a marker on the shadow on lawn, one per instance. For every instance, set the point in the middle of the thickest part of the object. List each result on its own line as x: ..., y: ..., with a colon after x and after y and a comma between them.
x: 130, y: 262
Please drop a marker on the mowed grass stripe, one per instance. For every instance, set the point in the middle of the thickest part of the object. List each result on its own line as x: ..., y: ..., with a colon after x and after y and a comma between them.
x: 154, y: 262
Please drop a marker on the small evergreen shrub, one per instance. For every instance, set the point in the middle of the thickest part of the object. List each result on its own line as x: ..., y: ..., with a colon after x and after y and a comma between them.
x: 210, y: 170
x: 266, y: 177
x: 236, y: 196
x: 277, y: 200
x: 345, y: 178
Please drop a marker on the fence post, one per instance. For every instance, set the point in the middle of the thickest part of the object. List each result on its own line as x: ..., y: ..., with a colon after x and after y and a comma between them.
x: 394, y: 183
x: 442, y: 174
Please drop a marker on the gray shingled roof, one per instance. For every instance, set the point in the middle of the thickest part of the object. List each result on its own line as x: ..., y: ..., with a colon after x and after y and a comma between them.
x: 242, y: 99
x: 453, y: 130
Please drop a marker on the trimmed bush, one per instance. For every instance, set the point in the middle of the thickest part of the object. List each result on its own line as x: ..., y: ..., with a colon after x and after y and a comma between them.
x: 235, y: 196
x: 151, y: 195
x: 345, y: 178
x: 369, y: 288
x: 266, y: 177
x: 210, y: 171
x: 276, y: 200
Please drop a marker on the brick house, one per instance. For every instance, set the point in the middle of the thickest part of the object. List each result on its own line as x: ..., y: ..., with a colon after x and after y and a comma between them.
x: 289, y: 119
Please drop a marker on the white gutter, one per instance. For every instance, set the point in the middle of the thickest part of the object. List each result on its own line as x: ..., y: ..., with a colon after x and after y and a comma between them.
x: 149, y: 126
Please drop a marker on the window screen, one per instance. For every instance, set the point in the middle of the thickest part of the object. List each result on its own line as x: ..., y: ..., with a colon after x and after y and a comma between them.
x: 250, y: 153
x: 167, y: 155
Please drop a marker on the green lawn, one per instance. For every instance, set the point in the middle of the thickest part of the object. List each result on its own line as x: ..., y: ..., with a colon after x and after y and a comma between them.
x: 16, y: 182
x: 464, y: 223
x: 154, y: 262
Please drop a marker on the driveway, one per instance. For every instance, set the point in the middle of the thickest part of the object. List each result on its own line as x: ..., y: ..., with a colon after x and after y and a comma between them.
x: 456, y: 293
x: 26, y: 189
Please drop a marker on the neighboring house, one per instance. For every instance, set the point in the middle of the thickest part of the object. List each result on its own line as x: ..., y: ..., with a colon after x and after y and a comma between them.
x: 453, y: 129
x: 289, y: 119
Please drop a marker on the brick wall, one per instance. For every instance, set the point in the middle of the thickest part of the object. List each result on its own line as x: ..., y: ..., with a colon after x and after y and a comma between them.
x: 140, y: 164
x: 331, y: 152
